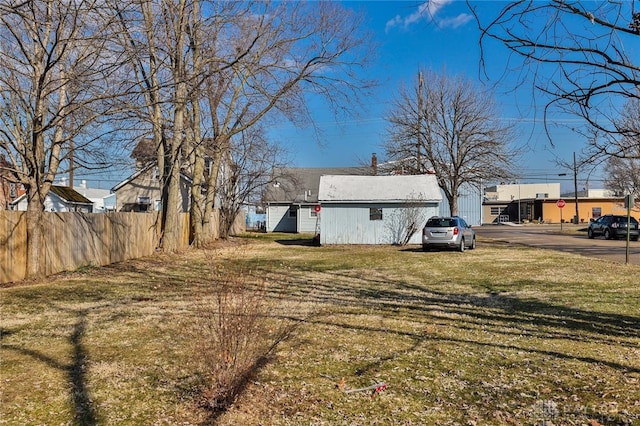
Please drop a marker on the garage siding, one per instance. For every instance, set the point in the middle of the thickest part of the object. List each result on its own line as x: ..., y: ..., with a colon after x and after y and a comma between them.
x: 350, y: 223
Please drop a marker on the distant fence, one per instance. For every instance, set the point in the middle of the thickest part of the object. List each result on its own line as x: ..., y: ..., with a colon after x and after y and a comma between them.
x: 72, y: 240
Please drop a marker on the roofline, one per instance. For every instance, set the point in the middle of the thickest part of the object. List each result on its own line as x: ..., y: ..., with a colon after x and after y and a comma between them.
x: 139, y: 172
x: 401, y: 201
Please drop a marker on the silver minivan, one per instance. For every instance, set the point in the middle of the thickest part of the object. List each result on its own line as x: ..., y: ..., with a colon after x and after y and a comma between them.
x: 448, y: 232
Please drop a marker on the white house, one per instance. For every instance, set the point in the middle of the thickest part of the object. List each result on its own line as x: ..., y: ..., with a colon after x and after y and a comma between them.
x: 59, y: 199
x: 375, y: 209
x: 96, y: 195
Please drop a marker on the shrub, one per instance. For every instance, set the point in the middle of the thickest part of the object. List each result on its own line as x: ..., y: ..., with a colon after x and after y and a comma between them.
x: 232, y: 334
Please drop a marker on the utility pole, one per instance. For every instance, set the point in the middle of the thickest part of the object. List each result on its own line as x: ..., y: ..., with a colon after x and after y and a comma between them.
x: 575, y: 186
x: 71, y: 165
x: 418, y: 133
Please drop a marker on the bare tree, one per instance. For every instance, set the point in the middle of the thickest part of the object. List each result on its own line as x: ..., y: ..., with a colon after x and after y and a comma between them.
x: 623, y: 177
x: 209, y: 71
x: 51, y: 95
x: 154, y: 39
x: 577, y: 54
x: 406, y: 220
x: 274, y: 56
x: 254, y: 158
x: 444, y: 125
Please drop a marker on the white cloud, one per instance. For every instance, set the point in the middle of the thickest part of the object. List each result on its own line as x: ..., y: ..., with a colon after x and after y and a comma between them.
x: 455, y: 22
x: 428, y: 11
x: 397, y: 20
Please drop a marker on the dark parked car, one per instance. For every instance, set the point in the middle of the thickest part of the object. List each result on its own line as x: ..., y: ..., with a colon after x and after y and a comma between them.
x: 448, y: 232
x: 613, y: 226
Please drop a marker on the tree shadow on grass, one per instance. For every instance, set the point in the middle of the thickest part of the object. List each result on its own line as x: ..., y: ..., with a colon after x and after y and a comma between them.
x: 75, y: 371
x: 506, y: 313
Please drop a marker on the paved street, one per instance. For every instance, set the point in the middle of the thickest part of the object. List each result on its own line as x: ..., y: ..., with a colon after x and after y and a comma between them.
x: 571, y: 239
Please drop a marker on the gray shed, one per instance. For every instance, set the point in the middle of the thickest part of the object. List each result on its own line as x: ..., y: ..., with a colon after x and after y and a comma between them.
x: 375, y: 209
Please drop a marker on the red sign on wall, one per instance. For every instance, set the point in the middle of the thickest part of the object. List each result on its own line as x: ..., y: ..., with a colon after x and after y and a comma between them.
x: 560, y: 204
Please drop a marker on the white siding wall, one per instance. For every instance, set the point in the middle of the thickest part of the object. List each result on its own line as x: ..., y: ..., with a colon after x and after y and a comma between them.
x: 278, y: 219
x: 53, y: 203
x: 306, y: 222
x: 350, y: 223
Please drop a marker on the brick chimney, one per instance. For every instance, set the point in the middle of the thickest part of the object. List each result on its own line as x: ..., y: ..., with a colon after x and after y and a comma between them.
x: 374, y: 164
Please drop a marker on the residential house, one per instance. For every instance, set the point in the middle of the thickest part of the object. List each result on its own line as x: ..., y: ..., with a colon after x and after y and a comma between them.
x: 375, y: 209
x: 59, y: 199
x: 141, y: 192
x: 96, y: 195
x: 9, y: 189
x: 291, y: 197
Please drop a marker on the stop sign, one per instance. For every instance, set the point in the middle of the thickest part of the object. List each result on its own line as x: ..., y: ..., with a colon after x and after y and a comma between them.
x: 560, y: 204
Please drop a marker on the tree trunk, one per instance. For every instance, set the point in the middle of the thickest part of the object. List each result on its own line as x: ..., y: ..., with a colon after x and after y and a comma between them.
x: 219, y: 153
x: 197, y: 200
x: 173, y: 153
x: 35, y: 232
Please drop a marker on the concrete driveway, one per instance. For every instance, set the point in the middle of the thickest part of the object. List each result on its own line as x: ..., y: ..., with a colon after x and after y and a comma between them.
x: 572, y: 238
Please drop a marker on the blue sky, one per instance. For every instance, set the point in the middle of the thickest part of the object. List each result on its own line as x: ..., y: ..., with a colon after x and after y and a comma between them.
x: 442, y: 36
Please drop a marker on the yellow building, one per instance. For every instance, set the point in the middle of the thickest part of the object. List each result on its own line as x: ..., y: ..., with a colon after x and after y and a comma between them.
x: 588, y: 209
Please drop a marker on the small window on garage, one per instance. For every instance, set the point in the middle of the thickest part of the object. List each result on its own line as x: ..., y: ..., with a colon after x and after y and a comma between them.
x: 313, y: 213
x: 375, y: 213
x: 495, y: 211
x: 293, y: 211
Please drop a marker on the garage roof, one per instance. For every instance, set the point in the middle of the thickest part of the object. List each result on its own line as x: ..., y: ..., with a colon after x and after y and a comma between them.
x: 399, y: 188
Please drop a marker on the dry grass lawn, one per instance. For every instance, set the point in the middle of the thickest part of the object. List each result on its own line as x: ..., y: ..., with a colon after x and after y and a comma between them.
x: 500, y: 335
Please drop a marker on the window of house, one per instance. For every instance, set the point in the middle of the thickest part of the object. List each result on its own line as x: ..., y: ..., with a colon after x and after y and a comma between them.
x: 375, y: 213
x: 495, y: 211
x: 293, y: 212
x: 313, y: 213
x: 596, y: 212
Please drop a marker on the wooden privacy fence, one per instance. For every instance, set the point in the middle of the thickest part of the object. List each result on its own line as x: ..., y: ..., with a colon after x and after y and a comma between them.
x: 72, y: 240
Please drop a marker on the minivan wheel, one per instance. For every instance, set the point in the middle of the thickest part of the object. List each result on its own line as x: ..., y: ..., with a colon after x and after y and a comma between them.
x: 590, y: 233
x: 607, y: 234
x: 473, y: 243
x: 461, y: 246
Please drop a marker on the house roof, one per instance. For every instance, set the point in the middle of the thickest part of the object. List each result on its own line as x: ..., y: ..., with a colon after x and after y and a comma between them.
x: 65, y: 193
x: 70, y: 195
x: 300, y: 185
x: 398, y: 188
x: 145, y: 169
x: 92, y: 193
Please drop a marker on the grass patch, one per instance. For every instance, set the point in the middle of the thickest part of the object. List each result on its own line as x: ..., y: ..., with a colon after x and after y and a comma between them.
x: 497, y: 335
